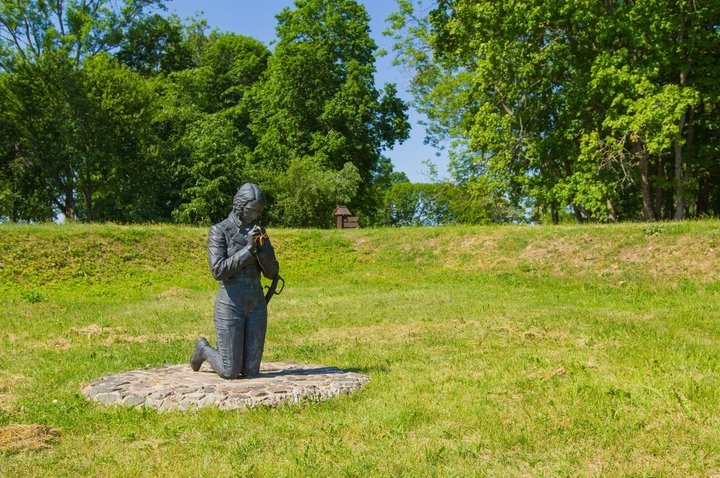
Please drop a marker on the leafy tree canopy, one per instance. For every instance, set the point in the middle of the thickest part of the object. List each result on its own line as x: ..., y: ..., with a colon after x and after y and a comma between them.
x: 114, y: 112
x: 318, y: 104
x: 604, y: 107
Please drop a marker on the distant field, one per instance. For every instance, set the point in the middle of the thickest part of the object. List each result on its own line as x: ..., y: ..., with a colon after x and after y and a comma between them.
x: 492, y: 351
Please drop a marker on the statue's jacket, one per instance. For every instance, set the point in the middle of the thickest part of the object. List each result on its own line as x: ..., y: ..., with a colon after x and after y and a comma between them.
x: 230, y: 255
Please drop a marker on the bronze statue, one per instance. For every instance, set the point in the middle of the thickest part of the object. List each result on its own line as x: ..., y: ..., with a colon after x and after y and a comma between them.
x: 238, y: 251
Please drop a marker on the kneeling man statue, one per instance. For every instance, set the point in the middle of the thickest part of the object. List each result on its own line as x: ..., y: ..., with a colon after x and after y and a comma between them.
x: 239, y: 250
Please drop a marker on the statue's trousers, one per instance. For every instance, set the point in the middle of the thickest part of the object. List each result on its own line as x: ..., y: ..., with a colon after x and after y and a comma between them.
x: 240, y: 324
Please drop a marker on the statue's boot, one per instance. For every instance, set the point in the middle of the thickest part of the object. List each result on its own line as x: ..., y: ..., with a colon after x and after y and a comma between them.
x: 198, y: 356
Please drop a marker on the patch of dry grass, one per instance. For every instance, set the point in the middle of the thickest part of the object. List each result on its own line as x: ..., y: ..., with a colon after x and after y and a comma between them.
x: 20, y: 437
x: 8, y: 397
x: 109, y: 336
x: 174, y: 292
x: 613, y: 252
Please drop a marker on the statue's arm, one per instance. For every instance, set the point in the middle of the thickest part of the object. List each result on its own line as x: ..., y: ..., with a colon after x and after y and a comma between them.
x: 222, y: 265
x: 267, y: 260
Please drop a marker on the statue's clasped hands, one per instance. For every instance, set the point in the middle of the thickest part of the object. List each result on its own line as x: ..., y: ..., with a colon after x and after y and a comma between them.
x: 256, y: 236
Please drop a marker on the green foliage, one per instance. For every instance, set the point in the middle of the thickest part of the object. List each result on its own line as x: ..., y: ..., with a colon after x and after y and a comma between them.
x: 412, y: 204
x: 204, y: 120
x: 318, y: 99
x: 214, y: 160
x: 23, y: 193
x: 40, y: 136
x: 155, y: 44
x: 69, y: 29
x: 112, y: 112
x: 602, y: 107
x: 75, y: 136
x: 78, y: 141
x: 122, y: 176
x: 307, y: 193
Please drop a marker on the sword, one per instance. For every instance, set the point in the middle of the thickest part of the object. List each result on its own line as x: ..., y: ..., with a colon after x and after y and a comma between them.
x: 272, y: 288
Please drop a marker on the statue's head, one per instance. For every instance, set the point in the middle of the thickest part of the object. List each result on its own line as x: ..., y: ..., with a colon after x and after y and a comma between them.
x: 249, y: 202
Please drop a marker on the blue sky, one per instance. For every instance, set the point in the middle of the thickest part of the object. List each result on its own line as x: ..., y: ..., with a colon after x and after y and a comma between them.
x: 256, y: 18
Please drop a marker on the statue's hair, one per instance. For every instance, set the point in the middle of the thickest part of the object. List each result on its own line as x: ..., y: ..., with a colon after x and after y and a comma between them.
x: 247, y: 193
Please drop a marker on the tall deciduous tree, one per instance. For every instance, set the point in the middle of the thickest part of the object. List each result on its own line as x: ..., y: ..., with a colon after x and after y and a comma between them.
x: 76, y: 119
x: 318, y: 106
x: 74, y: 29
x: 24, y: 193
x: 81, y: 138
x: 122, y: 178
x: 156, y: 44
x: 204, y: 124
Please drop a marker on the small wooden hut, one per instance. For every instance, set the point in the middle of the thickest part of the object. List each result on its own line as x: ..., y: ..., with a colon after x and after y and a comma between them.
x: 344, y: 218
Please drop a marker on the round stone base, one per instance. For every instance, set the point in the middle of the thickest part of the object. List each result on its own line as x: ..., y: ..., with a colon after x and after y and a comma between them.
x: 177, y: 387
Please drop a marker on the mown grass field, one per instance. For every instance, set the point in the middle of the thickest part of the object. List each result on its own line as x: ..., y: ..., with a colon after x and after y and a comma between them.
x: 492, y: 351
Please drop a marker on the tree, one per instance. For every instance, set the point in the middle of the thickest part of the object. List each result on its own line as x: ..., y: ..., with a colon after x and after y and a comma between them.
x: 71, y: 110
x: 441, y: 203
x: 204, y: 125
x: 579, y: 104
x: 43, y: 98
x: 74, y: 30
x: 23, y: 195
x: 318, y: 104
x: 156, y: 44
x: 113, y: 113
x: 307, y: 188
x: 122, y: 178
x: 81, y: 139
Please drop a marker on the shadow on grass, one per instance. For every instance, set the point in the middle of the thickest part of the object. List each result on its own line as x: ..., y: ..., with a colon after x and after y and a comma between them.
x: 306, y: 371
x: 369, y: 370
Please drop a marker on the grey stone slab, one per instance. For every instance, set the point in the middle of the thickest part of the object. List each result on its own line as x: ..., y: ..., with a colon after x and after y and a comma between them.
x: 133, y: 401
x: 177, y: 387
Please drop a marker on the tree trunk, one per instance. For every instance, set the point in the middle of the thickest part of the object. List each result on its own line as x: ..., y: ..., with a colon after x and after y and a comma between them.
x: 578, y: 214
x: 69, y: 206
x: 659, y: 189
x: 88, y: 194
x: 554, y: 213
x: 89, y: 206
x: 612, y: 213
x: 669, y: 207
x: 690, y: 154
x: 703, y: 196
x: 68, y: 187
x: 680, y: 201
x: 639, y: 150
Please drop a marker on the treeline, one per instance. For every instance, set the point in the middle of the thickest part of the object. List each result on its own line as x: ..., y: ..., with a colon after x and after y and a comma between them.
x: 111, y: 111
x: 608, y: 110
x: 442, y: 202
x: 583, y: 110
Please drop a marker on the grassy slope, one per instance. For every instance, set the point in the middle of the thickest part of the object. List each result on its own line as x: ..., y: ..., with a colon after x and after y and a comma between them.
x: 494, y: 351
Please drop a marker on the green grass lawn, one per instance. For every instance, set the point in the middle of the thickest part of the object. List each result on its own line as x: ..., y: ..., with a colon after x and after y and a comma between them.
x: 492, y: 351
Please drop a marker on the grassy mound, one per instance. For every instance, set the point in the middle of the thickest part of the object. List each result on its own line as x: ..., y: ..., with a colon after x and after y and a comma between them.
x: 507, y: 351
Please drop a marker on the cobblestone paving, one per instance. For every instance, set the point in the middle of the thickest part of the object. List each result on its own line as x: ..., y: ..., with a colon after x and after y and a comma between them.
x: 178, y: 387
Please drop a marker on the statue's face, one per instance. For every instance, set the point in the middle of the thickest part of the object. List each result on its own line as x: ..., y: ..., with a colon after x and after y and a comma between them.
x: 252, y: 211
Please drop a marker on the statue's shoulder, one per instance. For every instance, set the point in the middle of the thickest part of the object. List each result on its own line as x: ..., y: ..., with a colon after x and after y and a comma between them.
x: 221, y: 231
x: 224, y: 225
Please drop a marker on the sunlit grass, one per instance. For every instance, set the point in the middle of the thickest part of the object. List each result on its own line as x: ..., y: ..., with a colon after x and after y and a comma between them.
x: 499, y: 351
